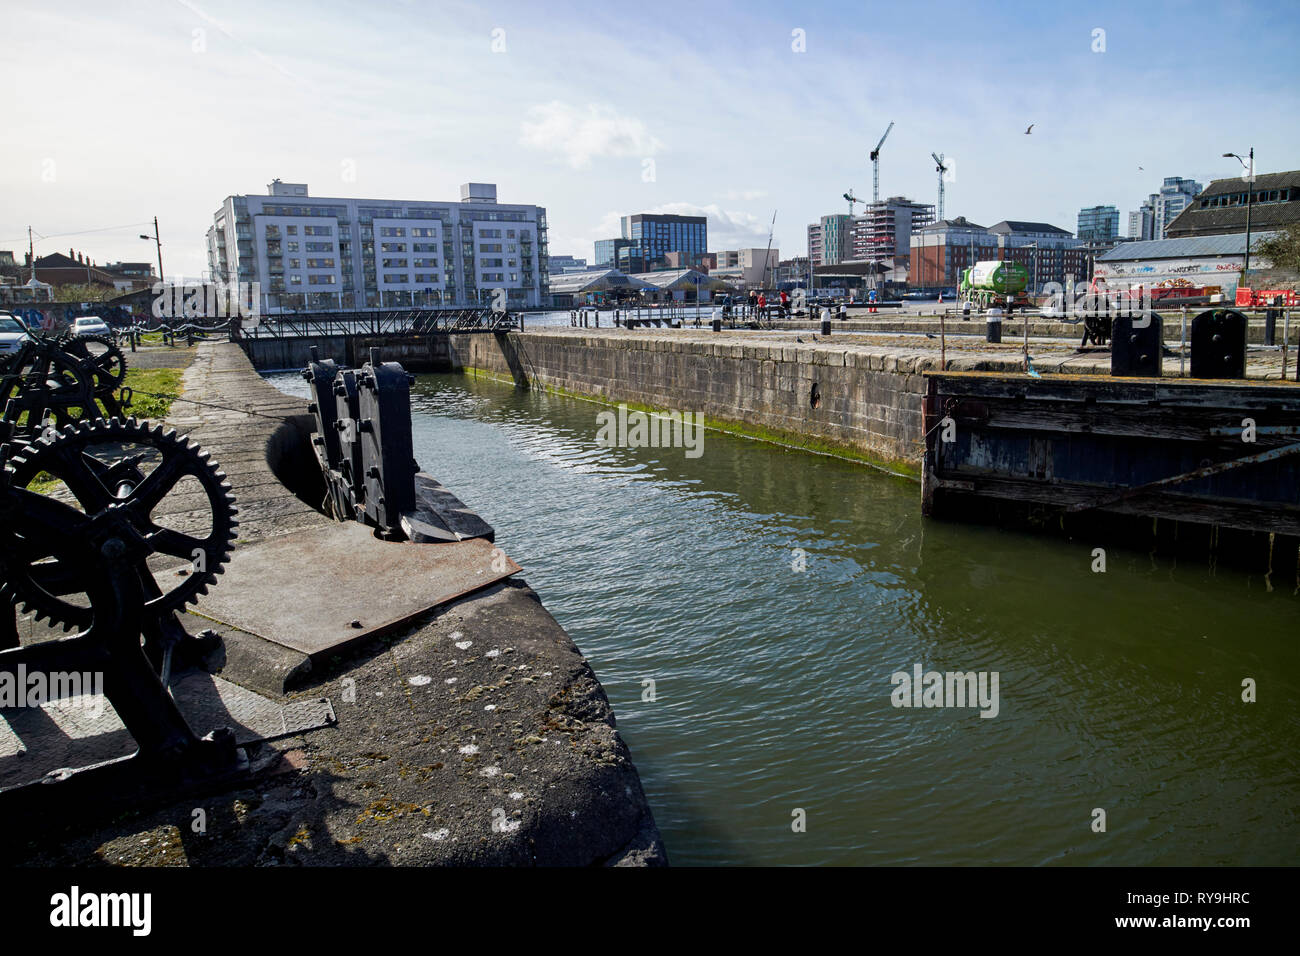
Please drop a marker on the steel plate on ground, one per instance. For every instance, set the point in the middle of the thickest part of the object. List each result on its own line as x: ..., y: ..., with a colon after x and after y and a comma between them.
x: 83, y: 729
x: 305, y: 590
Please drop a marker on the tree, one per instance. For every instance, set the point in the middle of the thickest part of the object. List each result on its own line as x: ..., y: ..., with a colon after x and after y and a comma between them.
x: 84, y: 292
x: 1282, y: 249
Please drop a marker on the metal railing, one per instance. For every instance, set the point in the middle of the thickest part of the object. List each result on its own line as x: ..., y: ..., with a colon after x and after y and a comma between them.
x: 381, y: 322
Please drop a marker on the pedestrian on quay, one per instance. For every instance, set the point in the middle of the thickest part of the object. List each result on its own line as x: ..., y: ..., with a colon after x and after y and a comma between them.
x: 785, y: 303
x: 762, y: 302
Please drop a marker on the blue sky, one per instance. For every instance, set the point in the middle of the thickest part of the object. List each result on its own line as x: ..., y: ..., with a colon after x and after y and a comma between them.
x: 117, y: 115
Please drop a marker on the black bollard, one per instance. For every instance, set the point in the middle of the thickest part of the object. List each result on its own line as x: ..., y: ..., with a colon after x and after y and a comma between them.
x: 717, y: 325
x: 1270, y: 326
x: 826, y: 326
x: 993, y: 331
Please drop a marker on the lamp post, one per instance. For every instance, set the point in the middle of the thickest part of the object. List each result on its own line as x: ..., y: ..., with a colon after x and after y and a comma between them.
x: 1250, y: 195
x: 158, y: 242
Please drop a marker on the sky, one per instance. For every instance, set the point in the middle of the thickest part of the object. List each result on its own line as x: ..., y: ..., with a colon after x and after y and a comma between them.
x: 122, y: 111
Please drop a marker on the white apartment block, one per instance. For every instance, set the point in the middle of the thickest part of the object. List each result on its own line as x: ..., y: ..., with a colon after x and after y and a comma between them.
x: 750, y: 268
x: 315, y: 253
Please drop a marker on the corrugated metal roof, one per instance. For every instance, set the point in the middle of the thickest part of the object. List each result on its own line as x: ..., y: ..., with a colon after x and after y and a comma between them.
x: 599, y: 279
x: 1233, y: 244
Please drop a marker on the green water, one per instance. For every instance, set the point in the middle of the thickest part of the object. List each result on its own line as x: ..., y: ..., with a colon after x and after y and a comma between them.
x: 1118, y: 690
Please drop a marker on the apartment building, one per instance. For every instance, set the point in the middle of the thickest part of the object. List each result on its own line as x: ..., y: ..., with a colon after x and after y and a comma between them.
x: 323, y: 253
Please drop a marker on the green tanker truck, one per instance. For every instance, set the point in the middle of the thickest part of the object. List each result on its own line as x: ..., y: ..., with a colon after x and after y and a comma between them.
x: 986, y: 282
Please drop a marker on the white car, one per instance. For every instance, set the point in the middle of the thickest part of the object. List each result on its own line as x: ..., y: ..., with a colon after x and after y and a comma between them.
x: 90, y: 325
x: 13, y: 333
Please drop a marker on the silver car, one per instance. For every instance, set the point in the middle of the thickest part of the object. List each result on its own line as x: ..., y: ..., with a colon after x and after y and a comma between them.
x: 90, y: 325
x: 13, y: 333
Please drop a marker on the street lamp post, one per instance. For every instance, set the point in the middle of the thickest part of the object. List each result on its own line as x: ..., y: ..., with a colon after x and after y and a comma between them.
x: 158, y: 242
x: 1250, y: 195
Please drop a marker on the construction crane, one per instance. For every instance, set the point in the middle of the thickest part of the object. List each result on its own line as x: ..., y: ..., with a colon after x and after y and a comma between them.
x: 875, y: 165
x: 767, y: 257
x: 853, y: 199
x: 940, y: 168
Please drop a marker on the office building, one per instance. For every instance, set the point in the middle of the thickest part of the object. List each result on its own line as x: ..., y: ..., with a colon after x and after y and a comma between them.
x: 1161, y: 208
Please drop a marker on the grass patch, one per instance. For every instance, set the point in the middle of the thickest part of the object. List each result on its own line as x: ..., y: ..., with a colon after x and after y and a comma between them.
x: 155, y: 390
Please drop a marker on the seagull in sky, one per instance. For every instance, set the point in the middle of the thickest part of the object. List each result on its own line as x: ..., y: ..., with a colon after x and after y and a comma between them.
x: 1030, y: 129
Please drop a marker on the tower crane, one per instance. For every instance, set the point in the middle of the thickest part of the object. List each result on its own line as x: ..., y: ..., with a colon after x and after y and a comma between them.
x: 875, y: 165
x: 940, y: 168
x: 853, y: 199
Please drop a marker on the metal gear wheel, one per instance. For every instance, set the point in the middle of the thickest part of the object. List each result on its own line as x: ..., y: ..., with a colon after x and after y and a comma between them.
x: 79, y: 456
x: 47, y: 379
x: 106, y: 360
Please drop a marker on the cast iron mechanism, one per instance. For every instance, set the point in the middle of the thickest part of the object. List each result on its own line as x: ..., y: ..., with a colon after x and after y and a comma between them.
x: 54, y: 382
x: 384, y: 434
x: 81, y: 559
x: 78, y: 456
x: 364, y: 448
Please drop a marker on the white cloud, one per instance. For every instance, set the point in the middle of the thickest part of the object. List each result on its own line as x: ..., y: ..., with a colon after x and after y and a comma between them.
x: 579, y: 135
x: 728, y: 229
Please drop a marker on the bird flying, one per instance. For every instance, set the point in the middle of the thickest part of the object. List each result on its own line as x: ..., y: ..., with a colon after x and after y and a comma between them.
x: 1030, y: 129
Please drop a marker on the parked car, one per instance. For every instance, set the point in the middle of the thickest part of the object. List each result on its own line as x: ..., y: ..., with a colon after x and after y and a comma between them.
x: 90, y: 325
x: 13, y: 333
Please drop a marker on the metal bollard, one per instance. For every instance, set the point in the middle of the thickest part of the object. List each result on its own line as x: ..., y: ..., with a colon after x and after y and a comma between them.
x: 826, y: 326
x: 717, y: 325
x: 993, y: 330
x: 1270, y: 326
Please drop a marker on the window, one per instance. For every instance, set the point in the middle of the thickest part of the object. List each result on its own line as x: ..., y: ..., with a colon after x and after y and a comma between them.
x: 291, y: 230
x: 320, y: 247
x: 320, y: 263
x: 394, y: 263
x: 425, y: 263
x: 424, y: 233
x: 490, y: 263
x: 393, y: 246
x: 395, y: 277
x: 387, y: 231
x: 321, y: 280
x: 295, y: 263
x: 490, y: 247
x: 422, y: 247
x: 494, y: 277
x: 318, y: 230
x: 427, y: 277
x: 295, y: 280
x: 489, y: 234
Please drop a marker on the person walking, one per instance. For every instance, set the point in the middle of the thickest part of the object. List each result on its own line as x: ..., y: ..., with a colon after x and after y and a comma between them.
x: 785, y: 303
